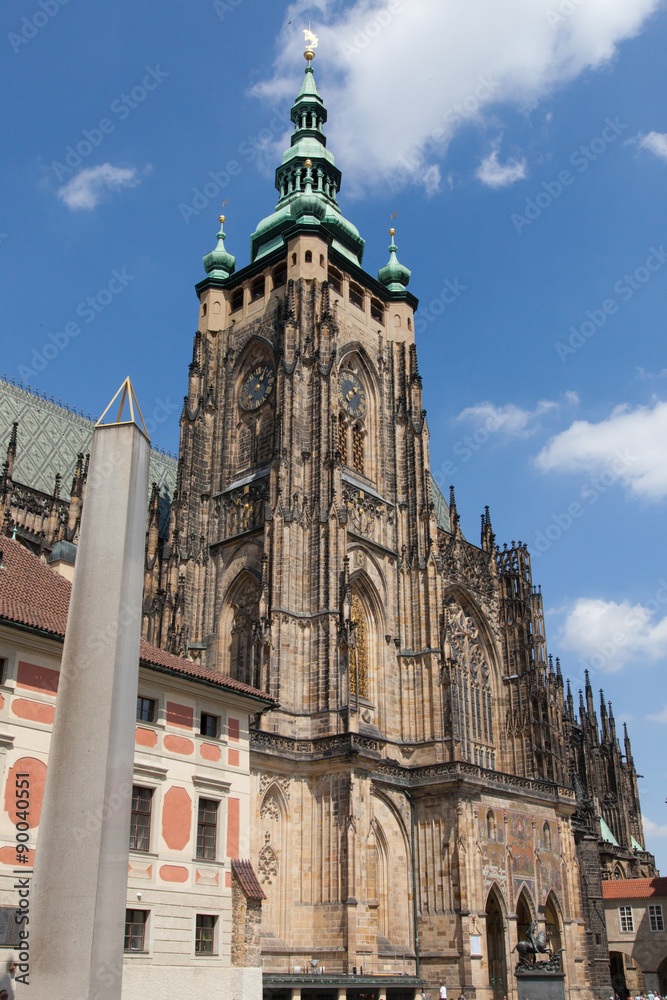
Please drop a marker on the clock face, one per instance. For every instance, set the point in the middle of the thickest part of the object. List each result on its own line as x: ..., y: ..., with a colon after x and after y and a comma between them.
x: 351, y: 394
x: 257, y: 387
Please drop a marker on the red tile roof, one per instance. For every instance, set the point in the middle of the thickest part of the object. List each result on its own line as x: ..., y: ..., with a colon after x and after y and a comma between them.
x: 634, y: 888
x: 245, y: 873
x: 32, y: 594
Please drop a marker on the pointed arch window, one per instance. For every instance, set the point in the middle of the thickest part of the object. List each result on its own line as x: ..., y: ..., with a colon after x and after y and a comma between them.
x: 495, y: 947
x: 471, y: 699
x: 358, y: 449
x: 359, y: 652
x: 552, y: 924
x: 245, y: 604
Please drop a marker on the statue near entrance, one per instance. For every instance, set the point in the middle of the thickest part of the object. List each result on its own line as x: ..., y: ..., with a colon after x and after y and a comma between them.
x: 534, y: 945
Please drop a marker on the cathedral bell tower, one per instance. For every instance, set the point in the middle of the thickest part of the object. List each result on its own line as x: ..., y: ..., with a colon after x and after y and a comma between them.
x: 411, y: 774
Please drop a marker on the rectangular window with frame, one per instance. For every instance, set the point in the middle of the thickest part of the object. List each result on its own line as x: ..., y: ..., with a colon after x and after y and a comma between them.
x: 625, y: 919
x: 135, y: 930
x: 140, y: 823
x: 207, y: 823
x: 655, y: 918
x: 205, y: 934
x: 356, y: 296
x: 210, y: 725
x: 145, y: 709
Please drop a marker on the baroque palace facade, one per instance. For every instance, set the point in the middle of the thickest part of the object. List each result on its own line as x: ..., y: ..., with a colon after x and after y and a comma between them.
x: 426, y: 787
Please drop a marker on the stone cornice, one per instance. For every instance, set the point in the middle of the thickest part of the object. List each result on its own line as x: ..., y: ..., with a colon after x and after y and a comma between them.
x: 355, y: 745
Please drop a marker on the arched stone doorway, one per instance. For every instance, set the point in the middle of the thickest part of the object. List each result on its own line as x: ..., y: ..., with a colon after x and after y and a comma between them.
x: 552, y: 924
x: 524, y: 916
x: 617, y: 969
x: 662, y: 978
x: 495, y: 946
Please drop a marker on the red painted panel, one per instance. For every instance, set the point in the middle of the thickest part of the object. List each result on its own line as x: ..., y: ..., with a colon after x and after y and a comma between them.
x: 228, y: 879
x: 174, y: 873
x: 176, y: 818
x: 209, y: 751
x: 36, y: 772
x: 233, y: 758
x: 37, y: 678
x: 180, y: 715
x: 35, y: 711
x: 178, y: 744
x: 233, y: 815
x: 146, y: 737
x: 233, y: 729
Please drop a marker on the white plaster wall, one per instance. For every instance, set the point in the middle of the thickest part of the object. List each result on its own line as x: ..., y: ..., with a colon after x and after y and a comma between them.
x: 140, y: 982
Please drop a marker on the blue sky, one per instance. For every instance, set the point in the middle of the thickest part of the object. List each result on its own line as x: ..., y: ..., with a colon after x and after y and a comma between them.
x: 524, y: 147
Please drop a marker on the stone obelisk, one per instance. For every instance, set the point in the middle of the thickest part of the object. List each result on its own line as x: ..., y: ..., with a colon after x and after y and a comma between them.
x: 80, y: 880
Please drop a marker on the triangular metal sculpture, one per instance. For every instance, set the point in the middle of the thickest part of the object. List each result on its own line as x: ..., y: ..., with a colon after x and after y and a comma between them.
x: 128, y: 394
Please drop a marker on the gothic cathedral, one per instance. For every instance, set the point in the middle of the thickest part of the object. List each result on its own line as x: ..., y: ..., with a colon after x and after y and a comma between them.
x: 425, y: 790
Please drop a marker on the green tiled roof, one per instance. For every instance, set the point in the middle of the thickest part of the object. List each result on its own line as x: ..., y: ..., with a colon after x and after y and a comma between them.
x: 606, y: 834
x: 441, y: 506
x: 50, y: 437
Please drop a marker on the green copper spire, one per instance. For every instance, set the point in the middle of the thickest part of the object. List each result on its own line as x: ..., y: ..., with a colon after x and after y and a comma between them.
x: 394, y: 276
x: 219, y: 263
x: 307, y: 179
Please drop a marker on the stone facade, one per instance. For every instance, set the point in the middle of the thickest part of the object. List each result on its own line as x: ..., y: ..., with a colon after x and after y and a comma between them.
x: 415, y: 805
x: 425, y: 788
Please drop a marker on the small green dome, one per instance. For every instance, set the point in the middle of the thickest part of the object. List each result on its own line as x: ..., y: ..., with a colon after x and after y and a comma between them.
x: 219, y: 263
x: 394, y: 276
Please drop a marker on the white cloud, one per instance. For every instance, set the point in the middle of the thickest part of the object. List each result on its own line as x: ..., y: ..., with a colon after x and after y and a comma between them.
x: 631, y: 443
x: 497, y: 175
x: 655, y: 142
x: 89, y: 186
x: 400, y: 78
x: 659, y: 716
x: 510, y: 419
x: 607, y: 636
x: 652, y: 829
